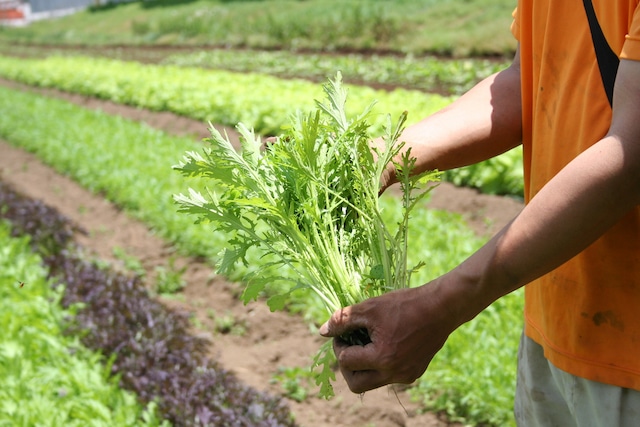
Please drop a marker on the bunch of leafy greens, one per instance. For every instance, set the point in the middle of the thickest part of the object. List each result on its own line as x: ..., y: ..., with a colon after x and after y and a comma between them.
x: 309, y: 204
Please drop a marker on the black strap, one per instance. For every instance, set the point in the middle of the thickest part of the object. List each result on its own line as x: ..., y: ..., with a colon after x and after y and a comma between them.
x: 607, y: 59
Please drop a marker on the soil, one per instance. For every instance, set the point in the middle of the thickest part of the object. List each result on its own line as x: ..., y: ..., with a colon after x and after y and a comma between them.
x: 269, y: 340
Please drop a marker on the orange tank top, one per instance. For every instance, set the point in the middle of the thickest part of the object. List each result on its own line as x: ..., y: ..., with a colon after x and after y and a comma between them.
x: 586, y: 313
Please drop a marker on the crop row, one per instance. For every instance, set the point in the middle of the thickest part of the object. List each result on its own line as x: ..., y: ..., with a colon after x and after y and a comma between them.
x: 262, y: 102
x: 259, y: 101
x: 48, y: 377
x: 66, y: 311
x: 427, y: 74
x: 131, y: 164
x: 424, y: 73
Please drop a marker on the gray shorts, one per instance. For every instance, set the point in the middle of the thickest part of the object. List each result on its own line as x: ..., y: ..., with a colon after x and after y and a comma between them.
x: 547, y: 396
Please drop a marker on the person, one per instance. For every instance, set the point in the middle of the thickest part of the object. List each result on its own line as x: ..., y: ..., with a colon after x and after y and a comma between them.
x: 575, y: 245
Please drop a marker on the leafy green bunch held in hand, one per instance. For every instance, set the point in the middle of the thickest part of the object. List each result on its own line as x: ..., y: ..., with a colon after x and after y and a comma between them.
x: 309, y: 204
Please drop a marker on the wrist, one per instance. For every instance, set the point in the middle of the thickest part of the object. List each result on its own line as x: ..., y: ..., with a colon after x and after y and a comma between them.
x: 465, y: 292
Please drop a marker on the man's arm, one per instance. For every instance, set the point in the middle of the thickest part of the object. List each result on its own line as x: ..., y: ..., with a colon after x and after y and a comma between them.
x: 577, y: 206
x: 482, y: 123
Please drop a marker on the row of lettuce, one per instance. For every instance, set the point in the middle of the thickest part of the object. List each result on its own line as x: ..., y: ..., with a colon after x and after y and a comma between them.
x: 264, y: 103
x: 433, y: 74
x: 130, y: 164
x: 84, y: 345
x: 424, y: 73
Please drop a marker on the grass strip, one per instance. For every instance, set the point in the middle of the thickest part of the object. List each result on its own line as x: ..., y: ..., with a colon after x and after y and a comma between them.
x: 417, y: 26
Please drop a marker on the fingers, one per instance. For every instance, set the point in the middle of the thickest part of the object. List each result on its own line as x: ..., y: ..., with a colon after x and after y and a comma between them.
x: 363, y: 370
x: 357, y: 362
x: 361, y: 381
x: 358, y: 365
x: 339, y: 323
x: 401, y: 342
x: 355, y: 357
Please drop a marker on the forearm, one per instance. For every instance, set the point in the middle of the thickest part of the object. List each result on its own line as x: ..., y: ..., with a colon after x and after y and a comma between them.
x: 482, y: 123
x: 573, y: 210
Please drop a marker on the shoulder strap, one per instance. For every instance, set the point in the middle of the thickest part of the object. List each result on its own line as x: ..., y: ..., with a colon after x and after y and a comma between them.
x: 607, y: 59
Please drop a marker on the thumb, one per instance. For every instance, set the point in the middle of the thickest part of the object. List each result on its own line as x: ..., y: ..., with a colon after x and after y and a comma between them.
x: 339, y: 323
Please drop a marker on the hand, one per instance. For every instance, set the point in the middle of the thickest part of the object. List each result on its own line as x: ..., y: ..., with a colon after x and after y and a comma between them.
x: 407, y: 328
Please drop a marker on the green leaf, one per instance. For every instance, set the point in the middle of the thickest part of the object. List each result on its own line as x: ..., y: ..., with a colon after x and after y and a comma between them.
x: 252, y: 291
x: 277, y: 302
x: 377, y: 272
x: 325, y: 359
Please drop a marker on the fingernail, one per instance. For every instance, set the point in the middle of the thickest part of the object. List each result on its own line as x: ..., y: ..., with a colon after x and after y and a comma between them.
x: 324, y: 329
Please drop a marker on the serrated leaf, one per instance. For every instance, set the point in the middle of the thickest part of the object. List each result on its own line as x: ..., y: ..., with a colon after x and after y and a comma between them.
x: 230, y: 257
x: 324, y: 359
x: 277, y: 302
x: 252, y: 291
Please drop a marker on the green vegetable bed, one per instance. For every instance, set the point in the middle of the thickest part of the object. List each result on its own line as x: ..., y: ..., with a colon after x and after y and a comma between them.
x: 48, y: 378
x: 261, y: 102
x: 141, y: 345
x: 131, y: 164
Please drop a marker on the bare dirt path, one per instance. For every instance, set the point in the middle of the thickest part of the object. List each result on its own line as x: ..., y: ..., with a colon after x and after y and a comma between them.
x: 270, y: 340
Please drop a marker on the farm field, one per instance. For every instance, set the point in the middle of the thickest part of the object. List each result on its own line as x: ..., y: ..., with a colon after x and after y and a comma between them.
x: 205, y: 95
x: 46, y: 373
x: 110, y: 229
x: 468, y: 201
x: 248, y: 355
x: 268, y: 351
